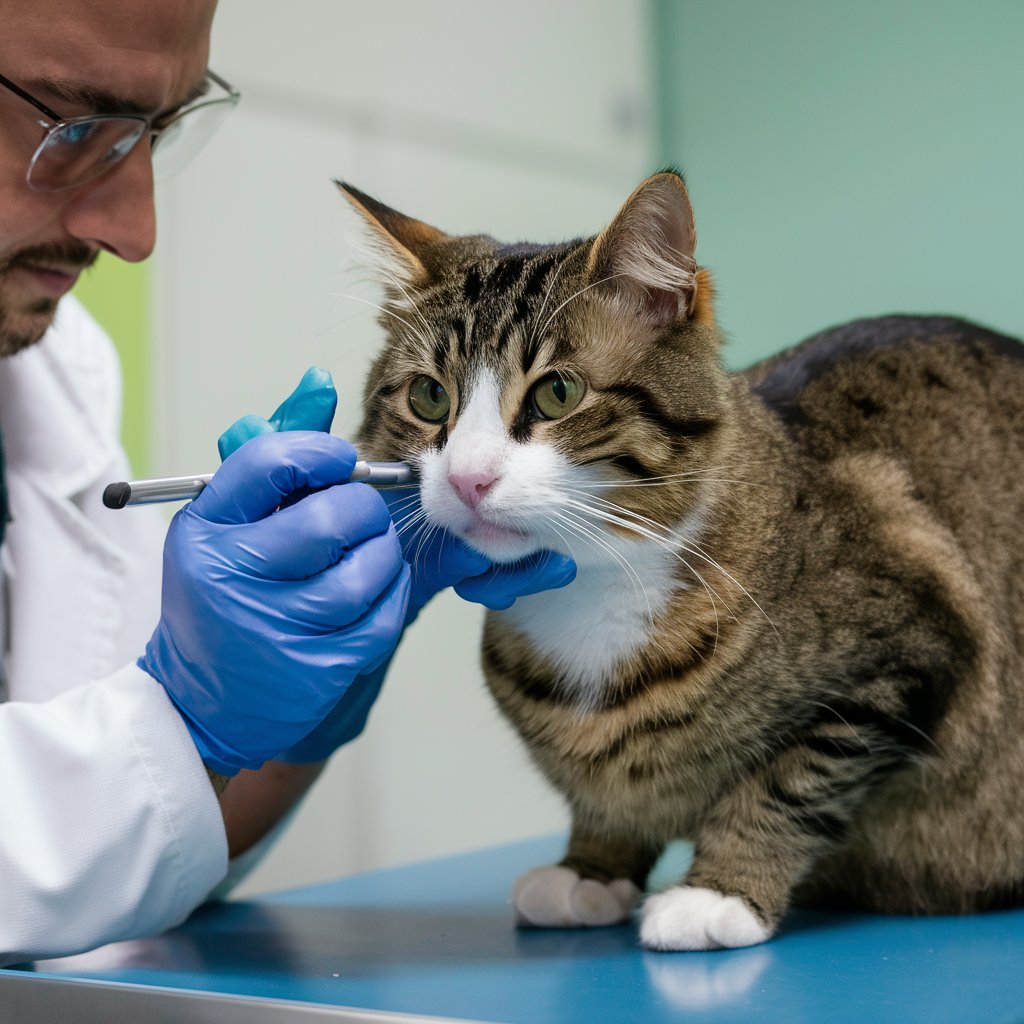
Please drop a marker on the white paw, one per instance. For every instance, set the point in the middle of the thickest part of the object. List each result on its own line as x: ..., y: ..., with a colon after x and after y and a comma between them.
x: 556, y: 897
x: 687, y: 918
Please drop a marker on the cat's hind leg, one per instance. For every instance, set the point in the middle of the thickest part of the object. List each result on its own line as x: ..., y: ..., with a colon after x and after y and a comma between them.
x: 597, y: 883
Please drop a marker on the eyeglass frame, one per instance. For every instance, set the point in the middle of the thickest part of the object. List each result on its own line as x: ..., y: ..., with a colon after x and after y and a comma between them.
x: 57, y: 122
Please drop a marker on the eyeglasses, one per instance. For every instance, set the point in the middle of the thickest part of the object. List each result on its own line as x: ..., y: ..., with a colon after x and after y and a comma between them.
x: 76, y: 150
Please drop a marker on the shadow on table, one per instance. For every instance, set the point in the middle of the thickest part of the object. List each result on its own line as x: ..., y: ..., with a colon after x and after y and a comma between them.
x: 250, y: 938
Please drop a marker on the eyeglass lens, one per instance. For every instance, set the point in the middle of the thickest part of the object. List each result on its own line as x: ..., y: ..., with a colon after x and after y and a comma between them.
x: 178, y: 142
x: 76, y: 152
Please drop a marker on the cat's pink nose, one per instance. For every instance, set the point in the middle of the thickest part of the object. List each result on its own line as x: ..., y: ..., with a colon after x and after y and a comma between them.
x: 472, y: 486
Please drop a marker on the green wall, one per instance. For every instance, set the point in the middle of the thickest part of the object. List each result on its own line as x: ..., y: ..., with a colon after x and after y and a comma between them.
x: 848, y: 159
x: 117, y: 294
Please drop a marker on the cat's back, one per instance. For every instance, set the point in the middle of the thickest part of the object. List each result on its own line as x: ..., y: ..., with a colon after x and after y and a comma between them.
x: 943, y: 396
x: 883, y: 364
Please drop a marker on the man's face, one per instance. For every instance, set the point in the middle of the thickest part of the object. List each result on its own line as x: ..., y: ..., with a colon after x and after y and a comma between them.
x: 66, y: 53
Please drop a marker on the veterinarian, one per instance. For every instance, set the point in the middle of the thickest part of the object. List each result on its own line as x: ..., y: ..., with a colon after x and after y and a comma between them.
x: 161, y: 718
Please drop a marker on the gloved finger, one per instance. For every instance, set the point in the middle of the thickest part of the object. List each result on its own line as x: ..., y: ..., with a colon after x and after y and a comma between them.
x: 346, y: 591
x: 406, y: 512
x: 499, y: 587
x: 311, y: 535
x: 310, y: 406
x: 444, y: 559
x: 255, y: 480
x: 359, y: 646
x: 239, y: 432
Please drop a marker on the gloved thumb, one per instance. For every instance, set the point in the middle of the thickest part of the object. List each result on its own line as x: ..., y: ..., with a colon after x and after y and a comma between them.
x: 262, y: 475
x: 310, y: 406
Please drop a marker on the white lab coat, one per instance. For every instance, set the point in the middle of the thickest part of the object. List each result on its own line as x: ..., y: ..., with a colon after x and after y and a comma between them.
x: 109, y: 827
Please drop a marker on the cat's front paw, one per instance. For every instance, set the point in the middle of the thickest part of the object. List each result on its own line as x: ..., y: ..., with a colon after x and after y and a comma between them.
x: 556, y: 897
x: 688, y: 918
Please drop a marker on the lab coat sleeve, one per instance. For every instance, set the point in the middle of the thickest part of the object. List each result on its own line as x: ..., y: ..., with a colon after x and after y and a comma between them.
x: 109, y: 827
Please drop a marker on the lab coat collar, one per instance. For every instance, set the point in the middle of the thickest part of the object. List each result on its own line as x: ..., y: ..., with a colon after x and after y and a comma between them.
x: 49, y: 394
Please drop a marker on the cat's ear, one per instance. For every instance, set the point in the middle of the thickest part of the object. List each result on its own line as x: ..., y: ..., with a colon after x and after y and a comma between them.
x: 400, y: 246
x: 646, y: 254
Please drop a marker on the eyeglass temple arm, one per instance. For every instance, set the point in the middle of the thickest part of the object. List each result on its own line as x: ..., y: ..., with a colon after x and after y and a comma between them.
x: 18, y: 91
x: 225, y: 85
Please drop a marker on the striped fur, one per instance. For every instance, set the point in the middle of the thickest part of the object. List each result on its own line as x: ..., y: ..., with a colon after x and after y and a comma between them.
x: 796, y: 633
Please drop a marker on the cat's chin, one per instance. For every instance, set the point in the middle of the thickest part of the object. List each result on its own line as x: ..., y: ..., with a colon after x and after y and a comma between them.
x: 499, y: 543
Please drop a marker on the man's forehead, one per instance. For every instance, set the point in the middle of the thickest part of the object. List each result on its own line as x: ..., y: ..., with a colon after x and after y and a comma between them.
x: 109, y: 54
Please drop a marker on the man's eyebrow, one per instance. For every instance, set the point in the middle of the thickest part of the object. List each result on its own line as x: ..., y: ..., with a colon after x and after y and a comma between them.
x: 100, y: 101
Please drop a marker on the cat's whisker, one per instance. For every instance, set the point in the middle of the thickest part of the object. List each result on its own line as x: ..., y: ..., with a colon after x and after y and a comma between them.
x: 853, y: 729
x: 661, y: 534
x: 408, y: 298
x: 698, y: 475
x: 581, y: 529
x: 657, y: 534
x: 387, y: 312
x: 415, y: 524
x: 576, y: 295
x: 543, y: 305
x: 404, y: 504
x: 409, y: 523
x: 668, y: 481
x: 423, y: 546
x: 662, y: 542
x: 700, y: 553
x: 562, y: 536
x: 895, y: 718
x: 597, y: 539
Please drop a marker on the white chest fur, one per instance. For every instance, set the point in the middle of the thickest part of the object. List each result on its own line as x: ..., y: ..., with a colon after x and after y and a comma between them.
x: 601, y: 618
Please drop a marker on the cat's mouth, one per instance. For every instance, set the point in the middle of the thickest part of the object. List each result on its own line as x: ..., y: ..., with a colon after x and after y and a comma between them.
x: 501, y: 542
x: 485, y: 530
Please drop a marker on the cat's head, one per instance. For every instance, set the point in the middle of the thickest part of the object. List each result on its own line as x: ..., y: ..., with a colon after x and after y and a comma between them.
x: 561, y: 396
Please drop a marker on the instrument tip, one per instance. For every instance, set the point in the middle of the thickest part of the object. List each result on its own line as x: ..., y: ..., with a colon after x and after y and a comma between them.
x: 116, y: 495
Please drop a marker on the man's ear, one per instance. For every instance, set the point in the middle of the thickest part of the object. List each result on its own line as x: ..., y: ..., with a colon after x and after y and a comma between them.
x: 645, y: 255
x: 400, y: 246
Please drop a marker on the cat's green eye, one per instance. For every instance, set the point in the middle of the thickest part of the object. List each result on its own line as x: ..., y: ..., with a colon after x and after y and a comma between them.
x: 556, y: 394
x: 428, y: 399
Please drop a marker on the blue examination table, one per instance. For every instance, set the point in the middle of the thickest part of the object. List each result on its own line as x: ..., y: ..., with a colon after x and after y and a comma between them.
x: 436, y: 941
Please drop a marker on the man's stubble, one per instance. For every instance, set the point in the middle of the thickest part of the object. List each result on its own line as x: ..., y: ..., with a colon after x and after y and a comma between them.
x: 16, y: 338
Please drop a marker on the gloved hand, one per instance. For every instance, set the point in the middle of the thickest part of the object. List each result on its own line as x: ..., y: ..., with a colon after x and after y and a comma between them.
x: 443, y: 560
x: 268, y: 617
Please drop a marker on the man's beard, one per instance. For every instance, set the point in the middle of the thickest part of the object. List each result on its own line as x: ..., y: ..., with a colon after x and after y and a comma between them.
x: 15, y: 338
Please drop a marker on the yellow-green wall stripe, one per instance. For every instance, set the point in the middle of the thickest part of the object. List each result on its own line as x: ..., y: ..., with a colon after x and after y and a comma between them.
x: 117, y: 294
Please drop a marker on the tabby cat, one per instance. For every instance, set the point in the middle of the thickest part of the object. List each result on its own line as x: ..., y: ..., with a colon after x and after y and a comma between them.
x: 796, y: 633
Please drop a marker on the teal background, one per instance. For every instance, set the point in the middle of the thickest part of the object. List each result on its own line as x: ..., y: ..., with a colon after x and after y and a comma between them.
x: 848, y: 159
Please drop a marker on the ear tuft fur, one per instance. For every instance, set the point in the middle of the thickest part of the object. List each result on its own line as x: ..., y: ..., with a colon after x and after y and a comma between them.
x: 399, y: 246
x: 646, y: 253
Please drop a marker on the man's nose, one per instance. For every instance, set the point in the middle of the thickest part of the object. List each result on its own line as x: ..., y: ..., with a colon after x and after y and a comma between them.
x: 116, y: 212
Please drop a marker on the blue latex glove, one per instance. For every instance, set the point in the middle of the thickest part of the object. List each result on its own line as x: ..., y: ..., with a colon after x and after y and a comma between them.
x: 268, y: 617
x: 309, y: 407
x: 443, y: 560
